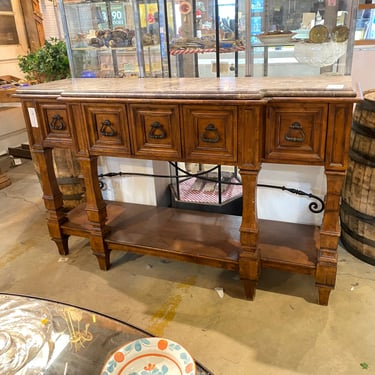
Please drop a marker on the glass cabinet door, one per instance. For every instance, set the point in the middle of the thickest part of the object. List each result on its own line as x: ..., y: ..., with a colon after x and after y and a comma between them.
x: 112, y: 38
x: 365, y: 23
x: 262, y: 37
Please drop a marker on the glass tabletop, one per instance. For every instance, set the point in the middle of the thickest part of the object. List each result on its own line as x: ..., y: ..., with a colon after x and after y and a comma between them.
x: 39, y: 336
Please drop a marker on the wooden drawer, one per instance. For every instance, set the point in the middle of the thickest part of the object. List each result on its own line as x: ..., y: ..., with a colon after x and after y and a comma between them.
x: 155, y: 131
x: 56, y: 127
x: 210, y: 133
x: 108, y: 131
x: 296, y: 132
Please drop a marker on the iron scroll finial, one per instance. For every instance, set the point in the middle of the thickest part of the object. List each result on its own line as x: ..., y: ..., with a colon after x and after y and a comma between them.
x: 314, y: 207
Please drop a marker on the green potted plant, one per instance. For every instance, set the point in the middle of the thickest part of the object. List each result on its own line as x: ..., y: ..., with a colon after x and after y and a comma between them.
x: 48, y: 63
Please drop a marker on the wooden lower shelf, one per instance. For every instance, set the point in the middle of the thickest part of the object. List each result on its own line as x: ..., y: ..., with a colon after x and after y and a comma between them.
x: 200, y: 237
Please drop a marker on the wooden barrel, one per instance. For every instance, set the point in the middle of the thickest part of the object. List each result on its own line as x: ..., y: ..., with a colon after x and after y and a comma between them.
x: 67, y: 172
x: 357, y: 212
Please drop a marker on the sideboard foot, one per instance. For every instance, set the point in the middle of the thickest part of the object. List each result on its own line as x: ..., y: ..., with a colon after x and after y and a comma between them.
x: 103, y: 260
x: 62, y: 245
x: 323, y: 295
x: 250, y: 289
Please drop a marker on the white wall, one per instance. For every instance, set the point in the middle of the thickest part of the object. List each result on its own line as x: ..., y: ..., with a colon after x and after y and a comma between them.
x: 51, y: 19
x: 363, y: 68
x: 134, y: 189
x: 12, y: 127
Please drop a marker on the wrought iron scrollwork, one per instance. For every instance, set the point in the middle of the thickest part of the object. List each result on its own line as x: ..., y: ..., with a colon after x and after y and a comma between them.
x: 107, y: 129
x: 314, y: 207
x: 57, y: 123
x: 296, y: 126
x: 157, y: 131
x: 210, y: 129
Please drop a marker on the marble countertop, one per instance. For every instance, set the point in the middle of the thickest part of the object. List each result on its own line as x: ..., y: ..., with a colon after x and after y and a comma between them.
x: 197, y: 88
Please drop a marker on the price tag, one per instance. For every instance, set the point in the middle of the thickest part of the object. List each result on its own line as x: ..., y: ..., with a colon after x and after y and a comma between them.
x: 32, y: 117
x: 335, y: 87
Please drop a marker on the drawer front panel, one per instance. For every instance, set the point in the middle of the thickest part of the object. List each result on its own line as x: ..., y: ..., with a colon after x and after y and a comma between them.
x: 56, y: 127
x: 210, y: 133
x: 296, y: 135
x: 155, y: 131
x: 107, y: 129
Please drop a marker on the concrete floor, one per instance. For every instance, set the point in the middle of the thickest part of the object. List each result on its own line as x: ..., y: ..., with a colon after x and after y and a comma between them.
x: 282, y: 332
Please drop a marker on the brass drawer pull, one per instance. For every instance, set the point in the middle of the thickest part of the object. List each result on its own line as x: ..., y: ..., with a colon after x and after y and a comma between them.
x: 57, y: 123
x: 295, y: 126
x: 107, y: 129
x: 210, y: 128
x: 157, y: 131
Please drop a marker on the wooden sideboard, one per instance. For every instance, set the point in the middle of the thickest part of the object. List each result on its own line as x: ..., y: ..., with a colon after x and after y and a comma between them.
x: 230, y: 121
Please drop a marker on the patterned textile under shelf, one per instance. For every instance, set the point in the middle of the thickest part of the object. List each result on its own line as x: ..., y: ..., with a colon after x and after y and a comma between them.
x: 188, y: 194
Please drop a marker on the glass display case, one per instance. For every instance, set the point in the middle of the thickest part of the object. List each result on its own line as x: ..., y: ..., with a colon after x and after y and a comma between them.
x: 209, y: 38
x: 365, y: 24
x: 112, y: 39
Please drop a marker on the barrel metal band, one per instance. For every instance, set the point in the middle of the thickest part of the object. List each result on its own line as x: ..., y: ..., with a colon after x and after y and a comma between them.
x: 361, y: 158
x: 352, y: 211
x: 356, y: 236
x: 368, y: 105
x: 363, y: 130
x: 356, y: 252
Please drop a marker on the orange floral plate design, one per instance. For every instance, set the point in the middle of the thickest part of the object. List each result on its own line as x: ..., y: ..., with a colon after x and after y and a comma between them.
x: 150, y: 356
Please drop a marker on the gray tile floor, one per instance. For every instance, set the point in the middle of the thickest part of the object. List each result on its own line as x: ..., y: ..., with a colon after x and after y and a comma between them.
x: 282, y: 332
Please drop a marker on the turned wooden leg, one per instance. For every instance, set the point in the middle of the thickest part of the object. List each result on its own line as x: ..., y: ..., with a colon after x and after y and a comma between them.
x: 52, y: 197
x: 326, y: 274
x: 326, y: 268
x: 103, y: 260
x: 249, y: 261
x: 96, y: 211
x: 250, y: 289
x: 249, y: 266
x: 101, y: 251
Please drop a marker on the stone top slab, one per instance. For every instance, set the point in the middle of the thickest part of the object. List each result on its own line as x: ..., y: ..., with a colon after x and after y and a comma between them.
x: 196, y: 88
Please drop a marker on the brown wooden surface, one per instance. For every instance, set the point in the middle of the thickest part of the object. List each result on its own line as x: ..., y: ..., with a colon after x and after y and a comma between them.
x: 161, y: 122
x: 4, y: 181
x: 33, y: 23
x: 303, y: 144
x: 235, y: 132
x: 203, y: 237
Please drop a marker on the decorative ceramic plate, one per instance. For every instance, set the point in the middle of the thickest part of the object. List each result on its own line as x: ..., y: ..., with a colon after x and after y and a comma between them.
x: 319, y: 34
x: 340, y: 34
x: 185, y: 7
x: 150, y: 356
